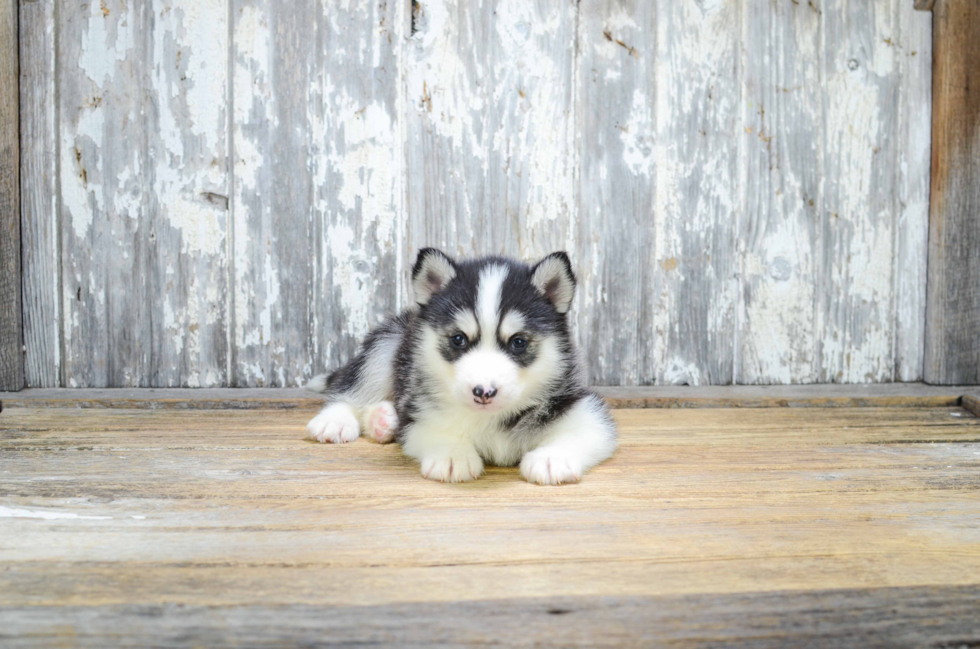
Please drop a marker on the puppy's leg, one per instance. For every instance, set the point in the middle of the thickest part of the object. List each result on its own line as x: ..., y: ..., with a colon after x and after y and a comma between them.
x: 379, y: 422
x: 444, y: 455
x: 335, y: 424
x: 359, y: 393
x: 572, y: 444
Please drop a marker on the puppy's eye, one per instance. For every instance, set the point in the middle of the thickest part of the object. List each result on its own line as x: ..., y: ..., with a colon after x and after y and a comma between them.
x: 459, y: 340
x: 518, y: 344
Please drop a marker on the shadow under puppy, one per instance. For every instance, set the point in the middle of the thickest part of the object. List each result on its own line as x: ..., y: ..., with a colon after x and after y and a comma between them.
x: 482, y: 370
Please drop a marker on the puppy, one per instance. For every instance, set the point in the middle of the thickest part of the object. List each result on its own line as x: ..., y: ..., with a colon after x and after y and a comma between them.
x: 481, y: 371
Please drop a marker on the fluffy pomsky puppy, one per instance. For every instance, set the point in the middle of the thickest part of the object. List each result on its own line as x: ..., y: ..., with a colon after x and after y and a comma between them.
x: 482, y: 370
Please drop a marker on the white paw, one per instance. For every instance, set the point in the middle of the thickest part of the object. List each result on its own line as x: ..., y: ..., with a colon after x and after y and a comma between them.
x: 460, y: 467
x: 336, y: 425
x: 381, y: 422
x: 547, y: 466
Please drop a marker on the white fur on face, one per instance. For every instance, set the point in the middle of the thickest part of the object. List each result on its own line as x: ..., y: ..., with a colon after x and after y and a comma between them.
x: 488, y: 300
x: 488, y: 368
x: 512, y: 323
x: 545, y: 369
x: 467, y: 323
x: 486, y: 365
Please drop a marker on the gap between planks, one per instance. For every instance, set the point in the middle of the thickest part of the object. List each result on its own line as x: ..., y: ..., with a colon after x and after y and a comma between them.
x: 910, y: 395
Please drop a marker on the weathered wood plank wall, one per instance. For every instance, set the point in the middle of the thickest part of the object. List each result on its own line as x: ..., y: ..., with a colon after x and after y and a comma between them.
x: 952, y: 352
x: 11, y: 328
x: 39, y: 196
x: 238, y: 187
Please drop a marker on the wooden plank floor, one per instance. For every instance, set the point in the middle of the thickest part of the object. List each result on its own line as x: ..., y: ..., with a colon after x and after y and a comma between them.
x: 840, y: 526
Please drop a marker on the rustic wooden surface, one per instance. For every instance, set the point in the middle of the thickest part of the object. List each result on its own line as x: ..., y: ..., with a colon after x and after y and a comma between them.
x: 952, y: 350
x: 879, y: 617
x: 711, y: 525
x: 317, y: 183
x: 11, y: 329
x: 833, y: 272
x: 40, y: 222
x: 143, y: 188
x: 238, y: 187
x: 971, y: 401
x: 898, y: 395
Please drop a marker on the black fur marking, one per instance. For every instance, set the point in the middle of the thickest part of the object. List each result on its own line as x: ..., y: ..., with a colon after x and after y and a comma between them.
x: 346, y: 378
x: 517, y: 417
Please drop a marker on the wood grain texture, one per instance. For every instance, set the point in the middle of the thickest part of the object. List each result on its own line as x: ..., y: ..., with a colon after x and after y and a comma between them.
x: 779, y: 232
x: 237, y: 188
x: 41, y: 263
x: 952, y: 348
x: 489, y: 122
x: 919, y: 616
x: 847, y: 518
x: 100, y: 71
x: 186, y: 189
x: 835, y: 214
x: 11, y: 324
x: 143, y: 187
x: 971, y: 401
x: 317, y: 197
x: 893, y: 395
x: 913, y: 134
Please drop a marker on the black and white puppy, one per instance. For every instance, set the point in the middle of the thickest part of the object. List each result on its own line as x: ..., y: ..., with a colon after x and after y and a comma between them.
x: 482, y: 371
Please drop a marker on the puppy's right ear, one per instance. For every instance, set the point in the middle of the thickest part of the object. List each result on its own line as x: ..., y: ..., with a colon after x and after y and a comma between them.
x: 432, y: 271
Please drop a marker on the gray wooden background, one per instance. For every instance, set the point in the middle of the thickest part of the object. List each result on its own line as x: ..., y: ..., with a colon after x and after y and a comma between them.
x: 231, y: 192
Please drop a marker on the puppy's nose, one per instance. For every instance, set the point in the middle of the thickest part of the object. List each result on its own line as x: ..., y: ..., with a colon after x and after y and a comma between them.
x: 484, y: 395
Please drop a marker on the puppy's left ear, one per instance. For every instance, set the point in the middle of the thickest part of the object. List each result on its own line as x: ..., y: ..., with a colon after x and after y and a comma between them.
x: 432, y: 271
x: 554, y: 279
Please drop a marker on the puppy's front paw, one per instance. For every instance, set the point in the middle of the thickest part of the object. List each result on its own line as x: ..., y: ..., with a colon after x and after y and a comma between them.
x: 549, y: 466
x: 460, y: 467
x: 382, y: 422
x: 336, y: 424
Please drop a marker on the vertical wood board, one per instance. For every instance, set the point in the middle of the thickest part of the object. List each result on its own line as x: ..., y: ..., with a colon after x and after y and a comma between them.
x: 952, y: 350
x: 187, y: 191
x: 11, y: 328
x: 41, y: 262
x: 101, y: 165
x: 616, y: 110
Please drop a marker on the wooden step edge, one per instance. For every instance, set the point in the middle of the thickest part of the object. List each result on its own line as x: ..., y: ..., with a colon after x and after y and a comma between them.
x: 910, y: 395
x: 971, y: 401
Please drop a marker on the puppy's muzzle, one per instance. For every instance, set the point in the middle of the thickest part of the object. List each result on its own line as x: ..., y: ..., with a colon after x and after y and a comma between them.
x: 484, y: 395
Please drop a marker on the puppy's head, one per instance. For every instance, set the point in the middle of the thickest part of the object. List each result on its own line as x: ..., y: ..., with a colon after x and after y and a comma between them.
x: 494, y: 330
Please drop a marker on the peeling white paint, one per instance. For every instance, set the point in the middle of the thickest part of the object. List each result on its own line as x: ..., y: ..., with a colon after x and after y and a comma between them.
x: 353, y: 280
x: 637, y: 135
x: 826, y: 276
x: 81, y: 165
x: 365, y: 163
x: 106, y: 42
